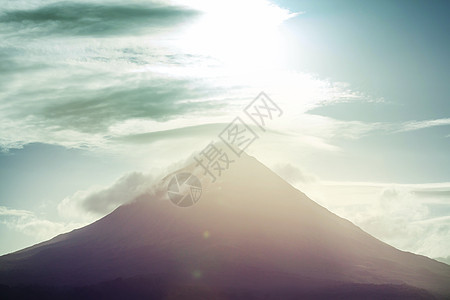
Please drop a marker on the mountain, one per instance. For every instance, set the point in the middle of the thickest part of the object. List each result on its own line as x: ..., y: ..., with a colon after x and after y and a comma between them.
x: 251, y: 235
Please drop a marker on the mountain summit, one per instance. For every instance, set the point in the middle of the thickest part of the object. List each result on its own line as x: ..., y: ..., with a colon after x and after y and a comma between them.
x: 250, y: 235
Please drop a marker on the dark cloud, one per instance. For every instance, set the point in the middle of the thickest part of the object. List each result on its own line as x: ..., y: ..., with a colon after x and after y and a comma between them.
x: 94, y: 111
x: 87, y: 19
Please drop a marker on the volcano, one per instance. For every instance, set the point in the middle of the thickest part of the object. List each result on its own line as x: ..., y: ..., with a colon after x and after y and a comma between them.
x: 250, y: 235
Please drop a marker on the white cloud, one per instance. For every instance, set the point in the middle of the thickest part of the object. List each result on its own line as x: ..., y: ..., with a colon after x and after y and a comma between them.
x: 356, y: 129
x: 411, y: 217
x: 29, y: 224
x: 444, y: 259
x: 416, y: 125
x: 98, y: 201
x: 293, y: 174
x: 4, y: 211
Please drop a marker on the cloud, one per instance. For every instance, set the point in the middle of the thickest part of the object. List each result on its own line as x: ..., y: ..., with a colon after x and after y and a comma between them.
x: 95, y: 111
x: 78, y: 106
x: 293, y: 174
x: 74, y: 89
x: 4, y: 211
x: 411, y: 217
x: 444, y: 259
x: 29, y: 224
x: 331, y: 128
x: 92, y: 19
x: 99, y: 201
x: 77, y: 90
x: 205, y: 131
x: 416, y: 125
x: 64, y: 85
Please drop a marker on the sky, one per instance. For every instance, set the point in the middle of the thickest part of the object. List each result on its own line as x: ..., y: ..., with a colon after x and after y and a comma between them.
x: 98, y: 99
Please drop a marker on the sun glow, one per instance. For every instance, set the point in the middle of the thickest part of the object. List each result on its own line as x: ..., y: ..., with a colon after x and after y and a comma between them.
x: 243, y: 34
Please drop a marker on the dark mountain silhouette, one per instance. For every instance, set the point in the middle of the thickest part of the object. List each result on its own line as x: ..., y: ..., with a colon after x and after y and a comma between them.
x: 251, y: 235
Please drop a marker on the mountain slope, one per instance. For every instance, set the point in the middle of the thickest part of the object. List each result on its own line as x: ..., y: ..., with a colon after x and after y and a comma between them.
x: 250, y: 230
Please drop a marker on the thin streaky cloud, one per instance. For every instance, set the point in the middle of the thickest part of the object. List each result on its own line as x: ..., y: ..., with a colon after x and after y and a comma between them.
x: 416, y: 125
x: 4, y: 211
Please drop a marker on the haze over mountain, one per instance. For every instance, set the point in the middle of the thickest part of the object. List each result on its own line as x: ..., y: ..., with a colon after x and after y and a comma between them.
x: 250, y: 232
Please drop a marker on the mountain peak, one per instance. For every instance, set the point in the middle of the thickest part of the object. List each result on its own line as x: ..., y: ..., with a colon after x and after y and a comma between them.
x: 248, y: 229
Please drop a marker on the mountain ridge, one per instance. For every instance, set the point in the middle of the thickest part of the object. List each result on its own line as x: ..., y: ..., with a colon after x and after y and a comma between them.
x: 249, y: 230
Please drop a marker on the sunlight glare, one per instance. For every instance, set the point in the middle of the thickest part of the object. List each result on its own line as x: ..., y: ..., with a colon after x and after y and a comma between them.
x: 238, y: 33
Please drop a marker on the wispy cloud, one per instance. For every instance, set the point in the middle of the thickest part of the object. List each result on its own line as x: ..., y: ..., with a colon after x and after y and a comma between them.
x: 92, y: 19
x: 333, y: 128
x: 93, y: 79
x: 293, y: 174
x: 417, y: 125
x: 411, y: 217
x: 30, y: 224
x: 4, y: 211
